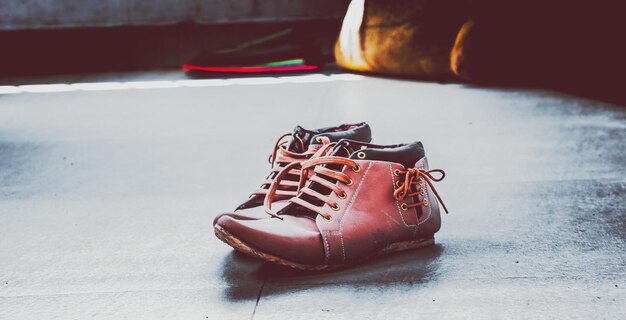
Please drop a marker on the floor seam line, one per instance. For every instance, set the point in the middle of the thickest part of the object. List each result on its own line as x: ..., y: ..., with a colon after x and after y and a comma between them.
x: 257, y: 299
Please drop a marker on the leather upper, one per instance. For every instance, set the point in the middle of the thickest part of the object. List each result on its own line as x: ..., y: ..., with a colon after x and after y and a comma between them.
x: 367, y: 220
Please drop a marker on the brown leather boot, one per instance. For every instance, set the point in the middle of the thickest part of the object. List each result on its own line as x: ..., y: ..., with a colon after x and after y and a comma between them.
x: 300, y: 146
x: 355, y: 205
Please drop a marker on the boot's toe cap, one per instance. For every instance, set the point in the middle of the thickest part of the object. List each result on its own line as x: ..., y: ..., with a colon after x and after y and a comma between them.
x: 291, y: 239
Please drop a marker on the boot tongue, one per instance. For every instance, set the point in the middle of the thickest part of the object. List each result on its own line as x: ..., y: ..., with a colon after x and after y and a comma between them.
x: 300, y: 139
x: 405, y: 154
x: 357, y: 132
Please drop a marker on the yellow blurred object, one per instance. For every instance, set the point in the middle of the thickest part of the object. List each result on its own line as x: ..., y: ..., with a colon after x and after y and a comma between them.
x: 457, y: 59
x: 348, y: 51
x: 403, y: 38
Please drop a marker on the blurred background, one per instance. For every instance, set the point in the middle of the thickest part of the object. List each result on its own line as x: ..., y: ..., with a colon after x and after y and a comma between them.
x: 572, y: 47
x: 51, y: 37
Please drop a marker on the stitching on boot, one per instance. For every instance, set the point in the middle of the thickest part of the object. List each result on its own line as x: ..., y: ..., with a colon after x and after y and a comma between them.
x: 356, y: 194
x: 426, y: 196
x: 326, y: 247
x: 343, y: 250
x: 393, y: 184
x: 430, y: 209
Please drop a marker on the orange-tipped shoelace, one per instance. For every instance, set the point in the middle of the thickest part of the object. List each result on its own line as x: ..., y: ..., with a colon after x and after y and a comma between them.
x: 315, y: 164
x: 418, y: 177
x: 281, y: 145
x: 279, y: 159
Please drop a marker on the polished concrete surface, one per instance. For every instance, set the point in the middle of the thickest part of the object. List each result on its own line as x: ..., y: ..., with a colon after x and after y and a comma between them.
x: 107, y: 196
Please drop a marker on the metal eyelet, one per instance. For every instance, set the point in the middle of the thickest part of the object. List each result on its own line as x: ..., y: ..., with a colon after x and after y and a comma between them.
x: 404, y: 206
x: 350, y: 182
x: 396, y: 172
x: 421, y: 182
x: 398, y: 183
x: 342, y: 196
x: 422, y: 192
x: 319, y: 139
x: 335, y: 207
x: 356, y: 169
x: 361, y: 155
x: 328, y: 218
x: 425, y: 203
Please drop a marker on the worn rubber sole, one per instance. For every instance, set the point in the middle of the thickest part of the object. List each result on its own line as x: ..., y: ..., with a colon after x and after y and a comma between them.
x: 241, y: 246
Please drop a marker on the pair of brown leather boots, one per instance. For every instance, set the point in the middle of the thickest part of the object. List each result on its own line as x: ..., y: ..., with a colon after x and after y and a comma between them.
x: 332, y: 199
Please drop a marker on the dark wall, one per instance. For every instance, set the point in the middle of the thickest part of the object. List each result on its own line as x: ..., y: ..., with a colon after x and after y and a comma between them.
x: 39, y: 52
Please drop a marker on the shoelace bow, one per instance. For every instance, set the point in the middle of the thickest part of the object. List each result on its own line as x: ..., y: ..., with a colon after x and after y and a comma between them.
x: 279, y: 159
x: 315, y: 163
x: 414, y: 176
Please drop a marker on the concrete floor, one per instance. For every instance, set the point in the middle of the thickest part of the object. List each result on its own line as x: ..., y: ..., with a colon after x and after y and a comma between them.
x: 107, y: 198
